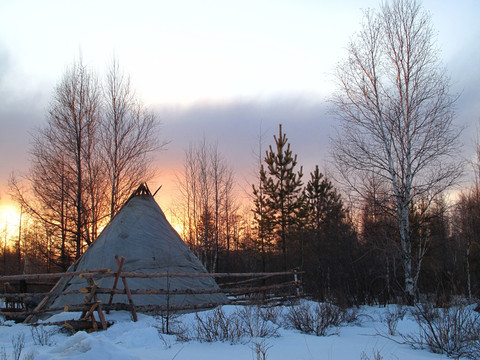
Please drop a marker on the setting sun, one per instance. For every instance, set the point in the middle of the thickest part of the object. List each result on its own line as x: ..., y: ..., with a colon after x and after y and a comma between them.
x: 9, y: 218
x: 178, y: 228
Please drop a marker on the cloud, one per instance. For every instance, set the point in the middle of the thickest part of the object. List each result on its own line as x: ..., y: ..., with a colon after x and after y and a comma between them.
x: 235, y: 126
x: 5, y: 64
x: 21, y: 110
x: 465, y: 76
x: 17, y: 123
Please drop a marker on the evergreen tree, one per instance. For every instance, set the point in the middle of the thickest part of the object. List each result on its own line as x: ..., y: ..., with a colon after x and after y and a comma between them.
x: 262, y: 217
x: 323, y: 203
x: 279, y: 196
x: 328, y: 248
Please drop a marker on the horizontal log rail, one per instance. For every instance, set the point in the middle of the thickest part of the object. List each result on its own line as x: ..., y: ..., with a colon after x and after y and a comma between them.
x: 264, y: 301
x: 227, y: 291
x: 119, y: 306
x: 89, y: 273
x: 106, y: 273
x: 170, y: 275
x: 248, y: 281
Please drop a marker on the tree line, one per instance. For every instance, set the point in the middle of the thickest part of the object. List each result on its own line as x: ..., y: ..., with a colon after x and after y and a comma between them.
x: 392, y: 235
x: 349, y: 253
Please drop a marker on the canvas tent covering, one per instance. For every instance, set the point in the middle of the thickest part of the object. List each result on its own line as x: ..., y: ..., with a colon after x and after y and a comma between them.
x: 141, y: 233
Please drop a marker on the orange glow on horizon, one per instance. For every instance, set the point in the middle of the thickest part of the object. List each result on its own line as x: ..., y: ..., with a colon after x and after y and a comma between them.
x: 178, y: 228
x: 9, y: 220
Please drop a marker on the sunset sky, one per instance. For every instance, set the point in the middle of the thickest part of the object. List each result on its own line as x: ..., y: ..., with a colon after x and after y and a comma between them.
x: 222, y: 70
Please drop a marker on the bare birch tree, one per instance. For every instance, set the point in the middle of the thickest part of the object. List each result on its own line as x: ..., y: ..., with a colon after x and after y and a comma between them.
x: 65, y: 162
x: 206, y: 205
x: 73, y: 120
x: 396, y: 115
x: 51, y: 187
x: 129, y: 136
x: 230, y: 209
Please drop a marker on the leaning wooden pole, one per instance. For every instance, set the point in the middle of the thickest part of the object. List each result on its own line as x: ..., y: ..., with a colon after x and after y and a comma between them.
x: 120, y: 266
x: 127, y: 290
x: 41, y: 304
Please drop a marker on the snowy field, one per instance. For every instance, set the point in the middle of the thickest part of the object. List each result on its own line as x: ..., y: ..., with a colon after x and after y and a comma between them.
x: 363, y: 339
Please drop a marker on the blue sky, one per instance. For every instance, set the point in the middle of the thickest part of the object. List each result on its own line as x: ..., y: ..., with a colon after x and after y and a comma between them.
x: 219, y: 69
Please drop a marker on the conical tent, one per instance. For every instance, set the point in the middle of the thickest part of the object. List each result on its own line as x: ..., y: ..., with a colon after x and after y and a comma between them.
x: 141, y: 233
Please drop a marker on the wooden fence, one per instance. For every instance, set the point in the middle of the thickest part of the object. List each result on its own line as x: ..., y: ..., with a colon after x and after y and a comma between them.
x: 240, y: 288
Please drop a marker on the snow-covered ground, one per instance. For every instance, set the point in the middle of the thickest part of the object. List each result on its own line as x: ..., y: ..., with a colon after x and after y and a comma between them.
x: 125, y: 339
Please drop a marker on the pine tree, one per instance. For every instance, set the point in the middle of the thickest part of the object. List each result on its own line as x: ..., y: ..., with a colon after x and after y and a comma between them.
x: 280, y: 195
x: 328, y: 240
x: 323, y: 203
x: 262, y: 215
